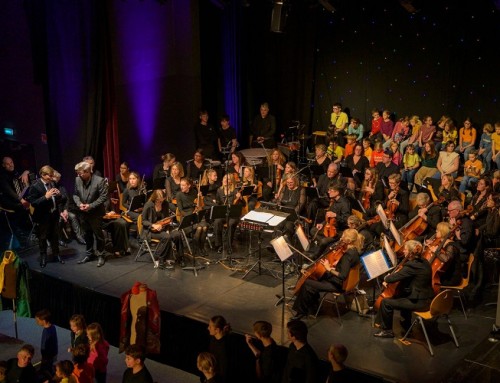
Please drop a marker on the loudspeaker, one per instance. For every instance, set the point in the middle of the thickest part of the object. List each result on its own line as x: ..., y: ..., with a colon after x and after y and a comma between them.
x: 278, y: 17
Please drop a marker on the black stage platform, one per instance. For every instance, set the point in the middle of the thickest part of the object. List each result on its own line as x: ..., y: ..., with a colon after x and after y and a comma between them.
x: 187, y: 302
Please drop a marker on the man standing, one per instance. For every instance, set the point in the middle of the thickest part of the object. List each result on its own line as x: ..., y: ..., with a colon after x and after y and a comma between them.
x: 263, y: 129
x: 302, y: 361
x: 91, y: 193
x: 205, y: 135
x: 227, y: 135
x: 46, y: 200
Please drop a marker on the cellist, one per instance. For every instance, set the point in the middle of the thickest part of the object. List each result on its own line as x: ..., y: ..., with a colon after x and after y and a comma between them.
x: 430, y: 216
x: 416, y: 274
x: 337, y: 214
x: 333, y: 277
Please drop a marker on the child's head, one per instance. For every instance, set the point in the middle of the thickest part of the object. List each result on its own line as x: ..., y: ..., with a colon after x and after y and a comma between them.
x: 410, y: 149
x: 488, y: 128
x: 378, y: 146
x: 81, y: 353
x: 351, y: 138
x: 472, y: 155
x: 77, y: 323
x: 497, y: 127
x: 64, y: 368
x: 337, y: 353
x: 24, y: 355
x: 94, y: 333
x: 386, y: 114
x: 134, y: 356
x: 394, y: 147
x: 206, y: 363
x: 375, y: 114
x: 42, y: 317
x: 262, y: 329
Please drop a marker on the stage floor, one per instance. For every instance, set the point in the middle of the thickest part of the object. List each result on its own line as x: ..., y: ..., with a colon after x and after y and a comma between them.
x: 219, y: 289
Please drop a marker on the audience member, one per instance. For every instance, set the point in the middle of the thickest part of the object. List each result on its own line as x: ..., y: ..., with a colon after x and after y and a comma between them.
x: 99, y: 349
x: 136, y: 370
x: 207, y: 364
x: 49, y: 344
x: 83, y: 370
x: 20, y: 369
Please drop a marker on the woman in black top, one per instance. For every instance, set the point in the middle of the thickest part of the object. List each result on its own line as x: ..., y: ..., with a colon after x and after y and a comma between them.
x: 358, y: 163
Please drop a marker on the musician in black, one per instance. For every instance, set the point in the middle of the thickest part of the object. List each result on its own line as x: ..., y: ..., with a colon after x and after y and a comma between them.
x: 293, y: 197
x: 12, y: 186
x: 416, y: 276
x: 464, y: 233
x: 210, y: 179
x: 324, y: 181
x: 187, y: 204
x: 333, y: 278
x: 386, y: 167
x: 337, y: 214
x: 372, y: 191
x: 206, y: 136
x: 263, y: 129
x: 430, y: 215
x: 227, y: 135
x: 133, y: 189
x: 275, y: 171
x: 46, y: 200
x: 155, y: 210
x: 227, y: 195
x: 396, y: 203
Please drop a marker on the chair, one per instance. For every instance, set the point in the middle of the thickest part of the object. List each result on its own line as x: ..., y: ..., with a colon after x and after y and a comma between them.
x: 145, y: 244
x: 350, y: 285
x: 441, y: 305
x: 465, y: 282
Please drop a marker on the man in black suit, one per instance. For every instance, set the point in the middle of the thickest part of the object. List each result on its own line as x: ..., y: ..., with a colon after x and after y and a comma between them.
x: 46, y: 201
x: 416, y: 274
x: 91, y: 193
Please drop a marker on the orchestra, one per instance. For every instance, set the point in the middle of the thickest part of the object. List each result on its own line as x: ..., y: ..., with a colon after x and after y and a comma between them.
x: 431, y: 232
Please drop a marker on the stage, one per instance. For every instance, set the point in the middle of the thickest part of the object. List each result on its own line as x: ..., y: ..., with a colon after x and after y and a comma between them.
x: 188, y: 302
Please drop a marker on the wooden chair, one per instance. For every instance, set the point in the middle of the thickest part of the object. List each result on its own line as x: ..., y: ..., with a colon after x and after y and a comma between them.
x: 441, y: 305
x: 465, y: 282
x: 350, y: 287
x: 145, y: 244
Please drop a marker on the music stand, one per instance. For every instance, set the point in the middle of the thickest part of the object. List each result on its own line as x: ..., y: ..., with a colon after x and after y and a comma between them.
x: 346, y: 172
x: 312, y: 192
x: 137, y: 202
x: 226, y: 212
x: 283, y: 250
x: 189, y: 221
x: 383, y: 216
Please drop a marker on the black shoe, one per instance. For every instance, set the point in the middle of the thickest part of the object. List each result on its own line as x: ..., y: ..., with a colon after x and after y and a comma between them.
x: 219, y: 250
x: 181, y: 262
x: 60, y: 260
x: 203, y: 252
x: 43, y: 262
x: 62, y: 243
x: 80, y: 240
x: 229, y: 250
x: 298, y: 316
x: 101, y: 261
x: 384, y: 334
x: 84, y: 260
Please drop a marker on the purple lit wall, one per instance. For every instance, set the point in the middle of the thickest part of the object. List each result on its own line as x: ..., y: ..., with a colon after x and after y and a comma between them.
x: 157, y: 79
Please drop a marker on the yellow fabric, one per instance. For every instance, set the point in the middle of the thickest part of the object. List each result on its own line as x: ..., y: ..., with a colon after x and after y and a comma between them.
x: 495, y: 139
x: 8, y: 257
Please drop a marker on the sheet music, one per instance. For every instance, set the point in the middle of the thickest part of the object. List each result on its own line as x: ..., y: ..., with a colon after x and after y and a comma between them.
x: 304, y: 242
x: 281, y: 248
x: 395, y: 233
x: 390, y: 251
x: 276, y: 220
x: 375, y: 264
x: 381, y: 213
x: 258, y: 216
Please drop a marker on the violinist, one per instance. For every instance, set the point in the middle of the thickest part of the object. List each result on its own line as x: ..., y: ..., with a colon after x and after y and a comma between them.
x: 293, y: 196
x: 416, y: 274
x: 197, y: 166
x: 155, y: 210
x: 333, y: 277
x: 271, y: 183
x: 372, y: 190
x: 226, y: 195
x: 451, y: 273
x: 464, y: 234
x: 478, y: 202
x: 325, y: 180
x: 353, y: 222
x: 396, y: 205
x: 173, y: 183
x: 133, y: 189
x: 448, y: 190
x: 290, y: 170
x: 210, y: 179
x: 431, y: 215
x: 248, y: 179
x: 162, y: 170
x: 122, y: 177
x: 336, y: 216
x: 187, y: 204
x: 238, y: 161
x: 386, y: 167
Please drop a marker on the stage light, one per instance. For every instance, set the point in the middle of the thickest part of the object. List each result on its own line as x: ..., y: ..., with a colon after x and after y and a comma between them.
x: 278, y: 16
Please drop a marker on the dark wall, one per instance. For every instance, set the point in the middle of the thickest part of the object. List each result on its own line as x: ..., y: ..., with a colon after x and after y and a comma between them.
x: 21, y: 102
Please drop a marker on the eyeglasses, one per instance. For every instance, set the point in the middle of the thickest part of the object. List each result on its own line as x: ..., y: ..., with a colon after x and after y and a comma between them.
x: 450, y: 210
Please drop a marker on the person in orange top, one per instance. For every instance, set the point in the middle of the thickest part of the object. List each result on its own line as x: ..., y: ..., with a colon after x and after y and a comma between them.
x: 377, y: 154
x: 349, y: 147
x: 467, y: 138
x: 472, y: 171
x: 367, y: 149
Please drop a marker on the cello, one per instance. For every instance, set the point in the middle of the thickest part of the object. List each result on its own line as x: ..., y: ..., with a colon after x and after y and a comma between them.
x: 316, y: 270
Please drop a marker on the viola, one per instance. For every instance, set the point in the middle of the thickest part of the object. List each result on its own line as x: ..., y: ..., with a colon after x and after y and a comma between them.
x: 163, y: 222
x: 317, y: 270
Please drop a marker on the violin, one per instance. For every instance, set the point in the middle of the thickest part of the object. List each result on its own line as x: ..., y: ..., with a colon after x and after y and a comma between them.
x: 392, y: 204
x: 198, y: 201
x: 277, y: 183
x: 365, y: 198
x: 163, y: 222
x: 317, y: 269
x: 330, y: 228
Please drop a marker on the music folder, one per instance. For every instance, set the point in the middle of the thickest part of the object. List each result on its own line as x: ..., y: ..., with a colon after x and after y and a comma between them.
x: 247, y: 190
x: 312, y: 192
x: 345, y: 172
x: 159, y: 183
x: 137, y: 202
x: 220, y: 211
x: 317, y: 170
x: 271, y: 218
x: 188, y: 220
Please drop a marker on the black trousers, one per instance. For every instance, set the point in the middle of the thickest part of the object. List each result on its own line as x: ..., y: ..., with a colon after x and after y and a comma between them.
x: 49, y: 231
x: 92, y: 227
x: 388, y: 305
x: 307, y: 300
